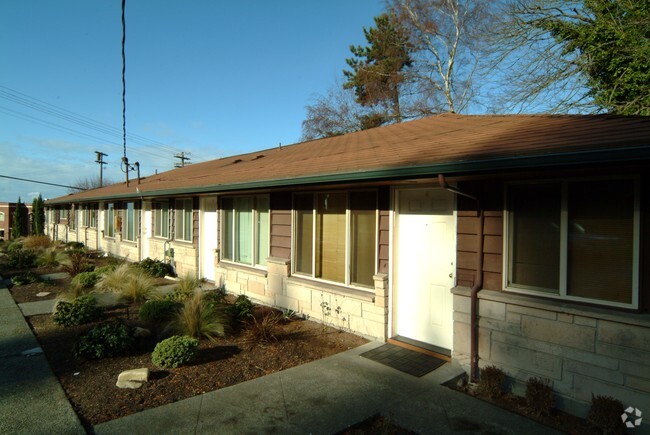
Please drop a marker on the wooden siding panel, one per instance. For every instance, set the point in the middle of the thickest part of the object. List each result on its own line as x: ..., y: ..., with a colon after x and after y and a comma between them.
x: 492, y: 263
x: 280, y: 243
x: 466, y: 242
x: 492, y: 281
x: 493, y: 244
x: 383, y: 241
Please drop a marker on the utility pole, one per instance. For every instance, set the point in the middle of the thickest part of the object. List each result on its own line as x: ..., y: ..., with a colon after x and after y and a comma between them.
x: 182, y: 157
x: 100, y: 160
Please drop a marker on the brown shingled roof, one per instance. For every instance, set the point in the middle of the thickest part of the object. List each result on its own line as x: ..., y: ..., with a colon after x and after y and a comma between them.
x: 446, y: 143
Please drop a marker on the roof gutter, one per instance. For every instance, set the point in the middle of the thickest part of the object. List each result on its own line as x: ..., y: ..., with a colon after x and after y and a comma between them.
x: 483, y: 165
x: 478, y: 280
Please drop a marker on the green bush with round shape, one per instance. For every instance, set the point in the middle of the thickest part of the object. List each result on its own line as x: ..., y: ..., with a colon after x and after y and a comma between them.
x: 105, y: 340
x: 86, y: 279
x: 80, y: 311
x: 175, y: 351
x: 159, y: 311
x: 156, y: 268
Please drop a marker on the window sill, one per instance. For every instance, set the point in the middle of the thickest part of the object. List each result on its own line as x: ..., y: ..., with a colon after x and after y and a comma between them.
x: 559, y: 306
x: 242, y: 267
x: 363, y: 295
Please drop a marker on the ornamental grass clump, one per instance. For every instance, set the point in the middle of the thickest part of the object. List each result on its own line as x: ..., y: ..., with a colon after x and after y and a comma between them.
x: 263, y: 330
x: 50, y: 257
x: 133, y: 285
x: 175, y: 351
x: 76, y: 262
x: 37, y: 242
x: 199, y: 317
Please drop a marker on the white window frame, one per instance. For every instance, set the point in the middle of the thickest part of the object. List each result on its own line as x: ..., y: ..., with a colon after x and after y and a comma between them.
x: 159, y: 222
x: 564, y: 218
x: 254, y: 232
x: 179, y: 230
x: 348, y: 243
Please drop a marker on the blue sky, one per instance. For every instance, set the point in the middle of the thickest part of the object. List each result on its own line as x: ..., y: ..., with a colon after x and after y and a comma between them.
x: 213, y: 78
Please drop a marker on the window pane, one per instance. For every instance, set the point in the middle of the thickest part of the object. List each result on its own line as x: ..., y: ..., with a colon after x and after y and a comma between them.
x: 362, y: 237
x: 535, y: 235
x: 110, y: 220
x: 187, y: 220
x: 601, y: 240
x: 130, y: 221
x: 304, y: 206
x: 164, y: 225
x: 243, y: 229
x: 330, y: 236
x: 262, y: 247
x: 227, y: 248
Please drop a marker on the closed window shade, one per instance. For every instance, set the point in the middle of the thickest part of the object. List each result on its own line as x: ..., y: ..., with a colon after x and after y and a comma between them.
x: 535, y: 229
x: 601, y: 240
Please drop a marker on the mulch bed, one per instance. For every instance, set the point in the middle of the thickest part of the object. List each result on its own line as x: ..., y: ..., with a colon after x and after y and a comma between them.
x: 90, y: 385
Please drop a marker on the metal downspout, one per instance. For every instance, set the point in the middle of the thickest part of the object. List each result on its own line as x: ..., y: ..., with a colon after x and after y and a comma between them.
x: 478, y: 281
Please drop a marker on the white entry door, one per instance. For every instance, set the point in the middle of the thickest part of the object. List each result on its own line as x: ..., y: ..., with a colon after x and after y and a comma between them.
x: 208, y: 236
x: 424, y: 265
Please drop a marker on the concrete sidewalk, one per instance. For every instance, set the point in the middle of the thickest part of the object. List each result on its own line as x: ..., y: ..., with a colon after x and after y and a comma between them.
x: 31, y: 399
x: 325, y: 397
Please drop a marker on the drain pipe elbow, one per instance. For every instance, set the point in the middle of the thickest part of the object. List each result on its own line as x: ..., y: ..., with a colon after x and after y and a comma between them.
x: 478, y: 280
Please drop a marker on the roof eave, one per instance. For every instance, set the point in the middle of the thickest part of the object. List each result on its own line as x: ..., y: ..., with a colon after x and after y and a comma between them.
x: 447, y: 168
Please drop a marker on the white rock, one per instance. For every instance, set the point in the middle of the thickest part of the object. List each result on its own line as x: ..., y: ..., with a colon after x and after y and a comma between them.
x: 133, y: 378
x: 141, y: 332
x: 43, y: 294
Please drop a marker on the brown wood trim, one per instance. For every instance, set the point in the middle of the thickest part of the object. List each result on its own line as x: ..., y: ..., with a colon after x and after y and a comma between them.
x: 418, y: 349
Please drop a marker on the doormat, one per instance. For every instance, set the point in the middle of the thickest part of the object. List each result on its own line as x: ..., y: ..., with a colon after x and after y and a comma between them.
x: 405, y: 360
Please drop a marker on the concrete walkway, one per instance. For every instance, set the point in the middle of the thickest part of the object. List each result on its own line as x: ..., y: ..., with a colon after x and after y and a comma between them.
x: 31, y: 399
x: 322, y: 397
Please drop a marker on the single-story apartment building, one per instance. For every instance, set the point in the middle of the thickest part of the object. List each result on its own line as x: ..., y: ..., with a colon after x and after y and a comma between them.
x: 521, y: 241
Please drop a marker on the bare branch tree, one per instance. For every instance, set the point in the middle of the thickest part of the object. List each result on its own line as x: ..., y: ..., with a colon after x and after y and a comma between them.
x: 338, y: 113
x: 448, y: 36
x: 536, y: 73
x: 88, y: 183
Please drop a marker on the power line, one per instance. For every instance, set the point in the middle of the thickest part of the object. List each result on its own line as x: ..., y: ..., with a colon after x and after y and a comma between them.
x: 74, y: 132
x: 84, y: 121
x: 42, y: 182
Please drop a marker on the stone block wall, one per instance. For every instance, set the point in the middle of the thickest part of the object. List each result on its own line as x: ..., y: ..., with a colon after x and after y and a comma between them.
x: 358, y: 311
x: 582, y: 351
x: 120, y: 248
x: 186, y: 258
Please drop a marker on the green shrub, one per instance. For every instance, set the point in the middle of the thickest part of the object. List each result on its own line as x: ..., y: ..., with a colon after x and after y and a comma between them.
x: 158, y: 311
x: 81, y: 310
x: 491, y: 381
x: 21, y: 258
x: 199, y: 317
x: 605, y: 415
x: 175, y: 351
x: 156, y: 268
x: 105, y: 340
x: 26, y: 278
x: 539, y: 396
x: 242, y: 309
x: 86, y: 279
x: 100, y: 271
x: 15, y: 245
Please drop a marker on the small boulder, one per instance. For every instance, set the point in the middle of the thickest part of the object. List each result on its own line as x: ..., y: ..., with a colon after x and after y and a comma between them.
x: 43, y: 294
x: 133, y: 378
x: 141, y: 332
x: 31, y: 352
